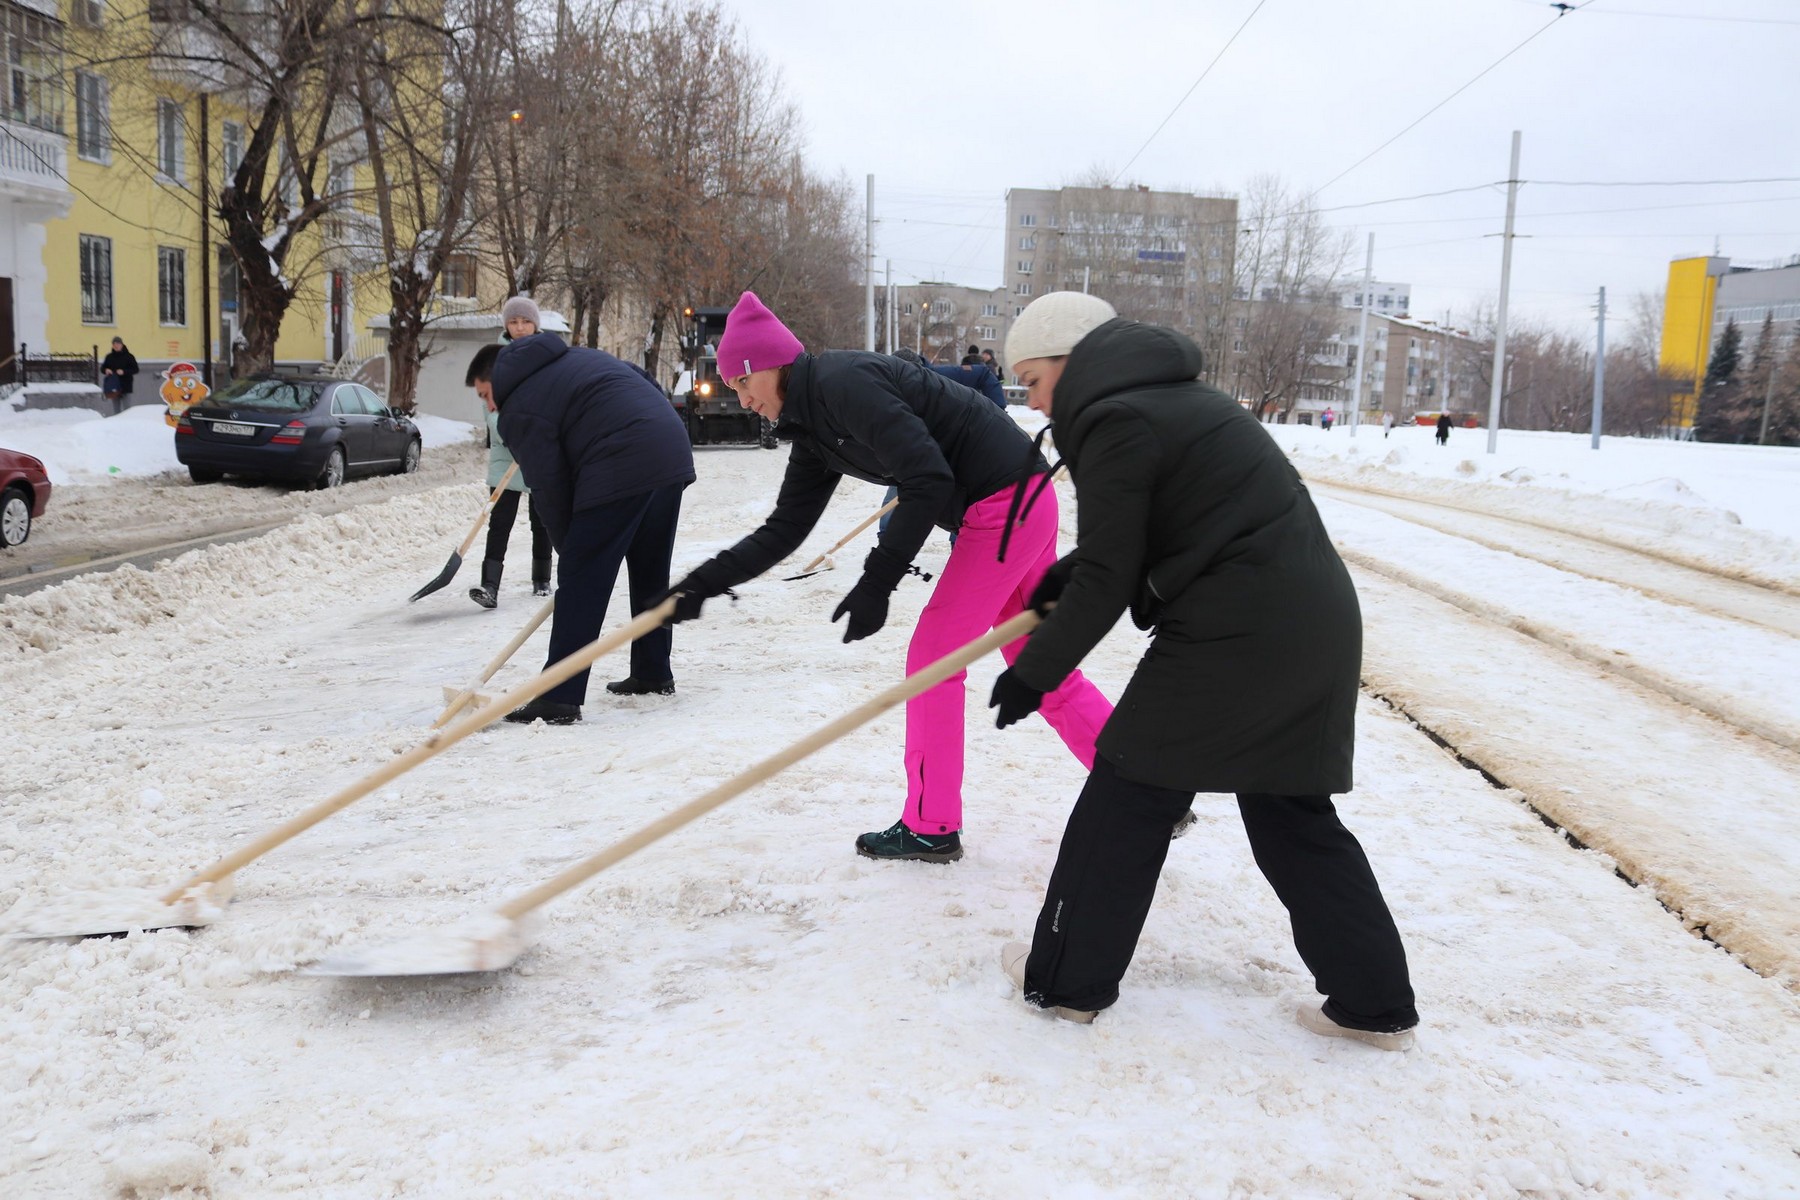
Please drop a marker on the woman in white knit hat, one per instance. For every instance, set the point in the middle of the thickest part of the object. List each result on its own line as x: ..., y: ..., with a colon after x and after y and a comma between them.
x: 1192, y: 518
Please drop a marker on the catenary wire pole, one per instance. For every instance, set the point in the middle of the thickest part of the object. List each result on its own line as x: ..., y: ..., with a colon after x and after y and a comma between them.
x: 1762, y: 436
x: 1506, y: 241
x: 869, y: 273
x: 887, y: 293
x: 1599, y: 370
x: 1362, y: 338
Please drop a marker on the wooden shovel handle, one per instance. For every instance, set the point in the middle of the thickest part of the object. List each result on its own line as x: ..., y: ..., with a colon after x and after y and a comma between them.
x: 920, y: 681
x: 499, y: 660
x: 531, y: 689
x: 482, y: 519
x: 879, y: 513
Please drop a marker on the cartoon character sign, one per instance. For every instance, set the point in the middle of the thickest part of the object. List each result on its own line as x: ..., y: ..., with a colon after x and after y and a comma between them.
x: 181, y: 389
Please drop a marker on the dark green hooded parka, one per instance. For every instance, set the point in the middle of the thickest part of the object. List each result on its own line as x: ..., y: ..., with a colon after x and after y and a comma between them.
x: 1190, y: 515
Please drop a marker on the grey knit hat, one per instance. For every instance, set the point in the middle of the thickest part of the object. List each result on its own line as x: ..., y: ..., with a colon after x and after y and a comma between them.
x: 521, y: 306
x: 1052, y: 324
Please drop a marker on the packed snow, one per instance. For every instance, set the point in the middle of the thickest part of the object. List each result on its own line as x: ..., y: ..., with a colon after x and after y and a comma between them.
x: 748, y: 1008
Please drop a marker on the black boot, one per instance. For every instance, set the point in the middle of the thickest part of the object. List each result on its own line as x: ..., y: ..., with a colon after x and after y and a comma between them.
x: 631, y: 685
x: 540, y: 577
x: 548, y: 711
x: 488, y: 594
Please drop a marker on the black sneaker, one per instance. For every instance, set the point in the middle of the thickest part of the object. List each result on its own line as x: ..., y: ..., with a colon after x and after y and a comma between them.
x: 547, y: 711
x: 485, y: 596
x: 897, y: 841
x: 631, y: 685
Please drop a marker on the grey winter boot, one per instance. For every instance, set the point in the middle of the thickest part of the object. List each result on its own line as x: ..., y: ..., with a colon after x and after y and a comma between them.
x: 1012, y: 961
x: 488, y: 594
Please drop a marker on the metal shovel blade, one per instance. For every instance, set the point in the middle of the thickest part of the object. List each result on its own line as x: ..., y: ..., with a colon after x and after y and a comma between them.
x: 487, y: 943
x: 444, y: 576
x: 123, y: 910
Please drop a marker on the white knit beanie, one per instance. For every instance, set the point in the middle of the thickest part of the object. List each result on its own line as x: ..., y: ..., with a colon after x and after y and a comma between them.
x: 1052, y: 324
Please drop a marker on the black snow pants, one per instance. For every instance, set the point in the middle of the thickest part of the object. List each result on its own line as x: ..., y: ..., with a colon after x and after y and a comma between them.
x: 1105, y: 878
x: 638, y: 531
x: 500, y: 527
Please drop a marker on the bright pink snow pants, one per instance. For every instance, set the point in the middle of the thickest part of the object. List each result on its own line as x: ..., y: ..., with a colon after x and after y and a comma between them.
x: 974, y: 594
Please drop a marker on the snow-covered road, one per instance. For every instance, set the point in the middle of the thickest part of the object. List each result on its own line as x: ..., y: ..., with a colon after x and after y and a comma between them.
x: 748, y: 1008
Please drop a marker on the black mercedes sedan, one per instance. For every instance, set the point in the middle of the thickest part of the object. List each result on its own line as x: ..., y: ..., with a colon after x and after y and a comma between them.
x: 300, y: 430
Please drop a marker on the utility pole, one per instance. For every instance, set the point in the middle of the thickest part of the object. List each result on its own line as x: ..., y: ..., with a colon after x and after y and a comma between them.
x: 1362, y: 338
x: 1506, y: 241
x: 1084, y: 279
x: 207, y: 325
x: 1599, y: 371
x: 888, y: 294
x: 869, y: 273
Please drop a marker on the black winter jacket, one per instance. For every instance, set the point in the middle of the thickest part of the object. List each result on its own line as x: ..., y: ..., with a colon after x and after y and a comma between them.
x: 1190, y: 515
x: 585, y: 427
x: 876, y: 418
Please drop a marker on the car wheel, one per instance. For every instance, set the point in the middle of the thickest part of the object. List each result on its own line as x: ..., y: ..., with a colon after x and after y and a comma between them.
x: 202, y: 475
x: 410, y: 463
x: 766, y: 436
x: 15, y: 517
x: 333, y: 474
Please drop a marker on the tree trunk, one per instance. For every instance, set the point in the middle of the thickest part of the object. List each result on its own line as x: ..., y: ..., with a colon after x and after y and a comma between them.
x: 653, y: 350
x: 405, y: 334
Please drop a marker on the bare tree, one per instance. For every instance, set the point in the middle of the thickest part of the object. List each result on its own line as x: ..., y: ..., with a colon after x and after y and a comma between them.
x: 420, y: 166
x: 1285, y: 315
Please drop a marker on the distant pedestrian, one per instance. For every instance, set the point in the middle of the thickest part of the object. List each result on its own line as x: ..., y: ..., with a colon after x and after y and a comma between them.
x: 506, y: 508
x: 116, y: 372
x: 1443, y: 429
x: 1387, y: 423
x: 1326, y: 420
x: 988, y: 361
x: 607, y: 459
x: 1192, y: 519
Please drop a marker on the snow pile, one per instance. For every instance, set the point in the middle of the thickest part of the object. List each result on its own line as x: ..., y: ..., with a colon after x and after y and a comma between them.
x: 1729, y: 508
x: 78, y: 445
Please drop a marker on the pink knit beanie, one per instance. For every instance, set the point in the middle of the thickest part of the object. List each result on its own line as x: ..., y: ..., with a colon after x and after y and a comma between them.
x: 754, y: 340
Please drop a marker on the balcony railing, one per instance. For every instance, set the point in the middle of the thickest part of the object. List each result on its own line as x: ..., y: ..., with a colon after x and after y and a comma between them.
x: 33, y: 157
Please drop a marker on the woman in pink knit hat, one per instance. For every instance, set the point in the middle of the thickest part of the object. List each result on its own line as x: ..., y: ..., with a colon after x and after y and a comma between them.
x: 955, y: 458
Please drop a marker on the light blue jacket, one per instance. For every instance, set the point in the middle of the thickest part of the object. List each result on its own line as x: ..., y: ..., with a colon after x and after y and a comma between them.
x: 500, y: 458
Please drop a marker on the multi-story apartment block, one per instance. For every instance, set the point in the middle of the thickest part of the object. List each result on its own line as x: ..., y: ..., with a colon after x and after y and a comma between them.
x: 1411, y: 367
x: 942, y: 320
x: 1164, y: 257
x: 116, y: 138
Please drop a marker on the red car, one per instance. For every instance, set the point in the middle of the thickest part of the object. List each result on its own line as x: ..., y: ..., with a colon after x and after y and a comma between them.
x: 24, y: 490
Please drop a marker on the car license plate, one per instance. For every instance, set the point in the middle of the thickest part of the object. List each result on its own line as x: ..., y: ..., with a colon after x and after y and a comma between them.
x: 234, y: 430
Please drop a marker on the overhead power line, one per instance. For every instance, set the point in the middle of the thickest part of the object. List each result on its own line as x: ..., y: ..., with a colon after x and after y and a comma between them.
x: 1658, y: 182
x: 1453, y: 95
x: 1190, y: 91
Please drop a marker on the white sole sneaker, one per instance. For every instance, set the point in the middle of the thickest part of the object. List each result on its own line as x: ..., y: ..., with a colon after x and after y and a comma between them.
x: 1012, y: 961
x: 1313, y: 1017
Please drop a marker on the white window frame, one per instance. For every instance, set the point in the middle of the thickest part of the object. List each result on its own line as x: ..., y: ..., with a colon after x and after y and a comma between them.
x: 171, y: 286
x: 231, y: 150
x: 95, y: 277
x: 1025, y: 266
x: 93, y: 129
x: 171, y: 141
x: 1027, y: 220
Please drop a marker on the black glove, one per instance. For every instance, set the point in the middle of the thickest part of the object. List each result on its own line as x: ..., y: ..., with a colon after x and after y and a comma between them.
x: 1050, y: 588
x: 1015, y: 699
x: 694, y: 590
x: 867, y: 602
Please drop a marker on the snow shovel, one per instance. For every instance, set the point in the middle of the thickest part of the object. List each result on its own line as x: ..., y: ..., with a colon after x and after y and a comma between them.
x: 458, y: 699
x: 201, y: 899
x: 813, y: 567
x: 493, y: 941
x: 456, y: 556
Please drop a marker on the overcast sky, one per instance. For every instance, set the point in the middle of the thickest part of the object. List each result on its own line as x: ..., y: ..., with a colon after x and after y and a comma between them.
x: 950, y: 103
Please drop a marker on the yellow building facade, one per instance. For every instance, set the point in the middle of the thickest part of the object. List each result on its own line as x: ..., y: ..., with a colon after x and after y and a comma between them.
x: 1688, y: 306
x: 128, y: 258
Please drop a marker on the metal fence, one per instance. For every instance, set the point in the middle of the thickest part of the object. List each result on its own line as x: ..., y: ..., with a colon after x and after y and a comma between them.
x: 47, y: 367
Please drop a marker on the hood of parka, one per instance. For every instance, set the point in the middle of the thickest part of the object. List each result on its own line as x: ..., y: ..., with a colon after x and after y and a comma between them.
x: 1119, y: 356
x: 521, y: 359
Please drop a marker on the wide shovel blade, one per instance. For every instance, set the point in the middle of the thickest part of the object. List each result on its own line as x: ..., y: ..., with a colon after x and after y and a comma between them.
x: 443, y: 577
x: 123, y: 910
x: 488, y: 942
